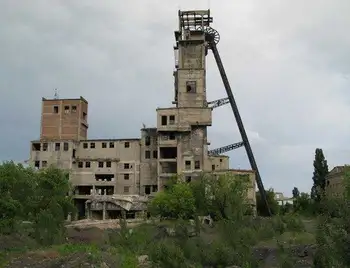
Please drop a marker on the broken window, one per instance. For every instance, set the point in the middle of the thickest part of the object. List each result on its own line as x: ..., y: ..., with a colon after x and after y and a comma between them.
x: 66, y: 109
x: 55, y: 109
x: 100, y: 164
x: 168, y: 152
x: 37, y: 164
x: 85, y: 145
x: 65, y: 146
x: 57, y: 146
x: 111, y: 145
x: 74, y: 109
x: 147, y: 154
x: 126, y: 144
x: 171, y: 119
x: 80, y: 164
x: 36, y: 146
x: 191, y: 86
x: 45, y: 146
x: 187, y: 164
x: 126, y: 189
x: 148, y: 141
x: 44, y: 164
x: 147, y: 189
x: 197, y: 164
x: 164, y: 120
x: 104, y: 145
x: 212, y: 167
x: 87, y: 164
x: 155, y: 154
x: 126, y: 176
x: 109, y: 164
x: 126, y: 166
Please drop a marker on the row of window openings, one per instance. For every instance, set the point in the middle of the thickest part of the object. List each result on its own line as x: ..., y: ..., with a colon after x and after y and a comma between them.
x: 101, y: 164
x: 197, y: 164
x: 104, y: 145
x: 37, y: 146
x: 164, y: 120
x: 68, y: 109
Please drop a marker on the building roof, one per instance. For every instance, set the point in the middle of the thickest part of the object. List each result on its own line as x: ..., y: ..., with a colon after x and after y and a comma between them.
x: 74, y: 99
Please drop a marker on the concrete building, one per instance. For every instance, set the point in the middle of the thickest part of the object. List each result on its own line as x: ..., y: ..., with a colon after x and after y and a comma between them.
x: 139, y: 166
x: 335, y: 181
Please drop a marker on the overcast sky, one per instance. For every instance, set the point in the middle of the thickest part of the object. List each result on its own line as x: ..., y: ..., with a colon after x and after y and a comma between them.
x: 288, y: 64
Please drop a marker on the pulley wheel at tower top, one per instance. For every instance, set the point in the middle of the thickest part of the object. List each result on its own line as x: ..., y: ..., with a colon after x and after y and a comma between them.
x: 212, y: 35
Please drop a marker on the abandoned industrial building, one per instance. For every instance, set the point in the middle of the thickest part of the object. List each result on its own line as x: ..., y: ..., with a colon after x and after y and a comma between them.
x: 110, y: 175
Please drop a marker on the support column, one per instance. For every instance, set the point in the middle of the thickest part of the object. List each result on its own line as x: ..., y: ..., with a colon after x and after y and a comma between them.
x: 104, y: 211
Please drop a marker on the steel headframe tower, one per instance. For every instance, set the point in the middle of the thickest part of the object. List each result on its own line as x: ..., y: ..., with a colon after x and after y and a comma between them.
x: 194, y: 22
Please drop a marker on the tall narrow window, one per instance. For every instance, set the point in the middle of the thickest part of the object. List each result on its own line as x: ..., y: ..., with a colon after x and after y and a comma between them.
x: 164, y: 120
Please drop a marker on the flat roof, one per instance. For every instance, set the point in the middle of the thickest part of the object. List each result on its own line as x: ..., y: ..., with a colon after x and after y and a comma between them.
x: 68, y: 99
x: 126, y: 139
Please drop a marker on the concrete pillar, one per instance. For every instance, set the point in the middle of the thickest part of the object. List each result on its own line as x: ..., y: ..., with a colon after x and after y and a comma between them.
x: 104, y: 211
x: 87, y: 211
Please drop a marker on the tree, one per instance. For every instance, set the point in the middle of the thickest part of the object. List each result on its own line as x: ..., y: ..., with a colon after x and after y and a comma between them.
x: 319, y: 176
x: 295, y: 192
x: 273, y: 204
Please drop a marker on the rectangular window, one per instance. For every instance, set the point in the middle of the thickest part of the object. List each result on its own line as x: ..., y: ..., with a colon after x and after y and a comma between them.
x: 171, y: 119
x: 55, y: 109
x: 147, y: 154
x: 109, y: 164
x: 57, y: 146
x: 148, y: 141
x: 85, y: 145
x: 80, y: 164
x: 87, y: 164
x: 164, y: 120
x: 104, y: 145
x: 212, y: 167
x: 154, y: 188
x: 44, y: 164
x: 148, y: 189
x: 92, y: 145
x: 37, y: 164
x: 127, y: 144
x: 188, y: 178
x: 197, y: 164
x: 111, y: 145
x: 100, y: 164
x: 126, y: 166
x: 65, y: 146
x: 74, y: 109
x: 191, y: 86
x: 126, y: 189
x: 172, y: 136
x: 187, y: 164
x: 126, y: 176
x: 66, y: 109
x: 155, y: 154
x: 84, y: 116
x: 45, y: 146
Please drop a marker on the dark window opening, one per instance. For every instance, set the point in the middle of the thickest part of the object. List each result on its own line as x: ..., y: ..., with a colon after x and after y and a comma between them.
x: 55, y: 109
x: 164, y: 120
x: 80, y: 164
x: 108, y: 164
x: 187, y: 164
x: 154, y: 188
x: 212, y: 167
x: 85, y: 145
x: 126, y: 176
x: 327, y: 183
x: 147, y: 189
x: 37, y: 164
x: 36, y: 146
x: 147, y: 154
x: 100, y: 164
x: 111, y: 145
x: 66, y: 109
x: 74, y: 109
x: 45, y: 147
x: 168, y: 152
x: 155, y: 154
x: 104, y: 145
x: 87, y: 164
x: 73, y: 153
x: 83, y: 190
x: 147, y: 140
x: 127, y: 144
x: 168, y: 167
x: 220, y: 160
x: 65, y: 146
x: 92, y: 145
x: 191, y: 86
x: 44, y: 164
x: 188, y: 178
x: 126, y: 166
x: 104, y: 177
x: 57, y: 146
x: 197, y: 164
x: 84, y: 116
x: 171, y: 119
x: 105, y: 190
x: 172, y: 136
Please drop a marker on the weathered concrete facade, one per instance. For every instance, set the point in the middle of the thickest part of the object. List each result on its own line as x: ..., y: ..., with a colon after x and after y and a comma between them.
x: 140, y: 166
x: 335, y: 185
